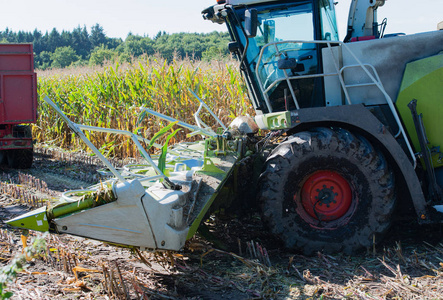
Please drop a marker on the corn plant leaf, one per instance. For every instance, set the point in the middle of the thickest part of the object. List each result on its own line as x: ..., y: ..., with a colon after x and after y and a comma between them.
x: 162, y: 158
x: 137, y: 130
x: 141, y: 117
x: 160, y: 133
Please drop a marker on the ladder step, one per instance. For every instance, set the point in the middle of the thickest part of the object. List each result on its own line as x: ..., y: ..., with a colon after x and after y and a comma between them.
x: 360, y: 84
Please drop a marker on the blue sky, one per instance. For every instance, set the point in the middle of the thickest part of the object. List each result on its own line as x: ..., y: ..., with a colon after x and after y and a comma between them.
x: 147, y: 17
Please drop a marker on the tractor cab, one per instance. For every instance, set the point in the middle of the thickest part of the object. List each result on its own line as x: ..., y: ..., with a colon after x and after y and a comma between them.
x: 274, y: 43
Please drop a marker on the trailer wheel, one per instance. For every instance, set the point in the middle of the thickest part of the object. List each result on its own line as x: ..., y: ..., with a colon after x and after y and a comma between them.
x: 20, y: 158
x: 327, y: 190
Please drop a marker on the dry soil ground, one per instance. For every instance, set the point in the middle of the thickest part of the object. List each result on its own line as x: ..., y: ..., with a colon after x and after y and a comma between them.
x: 252, y: 265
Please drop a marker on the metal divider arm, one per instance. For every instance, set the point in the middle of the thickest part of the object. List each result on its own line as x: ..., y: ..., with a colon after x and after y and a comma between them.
x: 135, y: 138
x: 180, y: 123
x: 202, y: 103
x: 82, y: 136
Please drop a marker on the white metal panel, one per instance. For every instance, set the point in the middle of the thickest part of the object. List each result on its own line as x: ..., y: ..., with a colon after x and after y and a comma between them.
x: 389, y: 56
x: 122, y: 222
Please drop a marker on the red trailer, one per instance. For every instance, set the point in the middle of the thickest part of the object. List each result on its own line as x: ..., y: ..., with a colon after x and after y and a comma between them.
x: 18, y: 104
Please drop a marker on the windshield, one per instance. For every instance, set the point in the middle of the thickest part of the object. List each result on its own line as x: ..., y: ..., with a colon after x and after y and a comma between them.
x: 280, y: 35
x: 290, y: 23
x: 282, y: 50
x: 282, y: 24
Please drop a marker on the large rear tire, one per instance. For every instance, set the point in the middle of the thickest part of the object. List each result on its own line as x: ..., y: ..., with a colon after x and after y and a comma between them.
x: 327, y: 190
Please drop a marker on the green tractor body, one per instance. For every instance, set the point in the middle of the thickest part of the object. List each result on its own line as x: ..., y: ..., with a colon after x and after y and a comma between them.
x: 361, y: 119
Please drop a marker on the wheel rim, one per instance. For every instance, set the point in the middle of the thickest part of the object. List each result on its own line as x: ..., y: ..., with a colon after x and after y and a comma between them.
x: 326, y: 196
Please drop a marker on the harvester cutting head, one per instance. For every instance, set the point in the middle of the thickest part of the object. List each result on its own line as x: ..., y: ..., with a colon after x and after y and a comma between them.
x: 140, y: 206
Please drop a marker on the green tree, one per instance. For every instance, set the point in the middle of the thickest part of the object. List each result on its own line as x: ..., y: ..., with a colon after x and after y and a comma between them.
x: 80, y: 42
x: 101, y: 54
x: 37, y: 41
x: 65, y: 38
x: 9, y: 36
x: 124, y: 57
x: 63, y: 57
x: 137, y: 45
x: 43, y: 60
x: 98, y: 36
x: 213, y: 53
x: 206, y: 46
x: 113, y: 43
x: 54, y: 40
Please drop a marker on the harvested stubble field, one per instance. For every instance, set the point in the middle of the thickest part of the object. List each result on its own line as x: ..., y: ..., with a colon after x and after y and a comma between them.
x: 242, y: 262
x: 408, y: 265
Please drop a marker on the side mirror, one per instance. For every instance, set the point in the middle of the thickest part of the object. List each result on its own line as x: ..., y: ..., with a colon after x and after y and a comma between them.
x: 251, y: 22
x: 233, y: 47
x: 269, y: 31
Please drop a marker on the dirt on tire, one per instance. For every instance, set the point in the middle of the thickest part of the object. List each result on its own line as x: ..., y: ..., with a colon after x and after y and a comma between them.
x: 362, y: 169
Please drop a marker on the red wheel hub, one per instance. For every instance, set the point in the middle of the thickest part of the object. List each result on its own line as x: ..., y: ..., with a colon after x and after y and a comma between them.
x: 326, y: 196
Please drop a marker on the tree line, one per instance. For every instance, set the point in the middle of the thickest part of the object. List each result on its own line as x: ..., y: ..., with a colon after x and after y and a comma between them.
x: 80, y: 47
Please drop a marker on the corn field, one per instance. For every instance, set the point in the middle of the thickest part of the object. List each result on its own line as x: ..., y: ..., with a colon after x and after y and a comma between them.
x: 110, y: 97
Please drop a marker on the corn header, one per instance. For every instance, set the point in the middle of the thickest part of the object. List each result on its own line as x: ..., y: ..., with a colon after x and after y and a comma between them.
x: 139, y: 205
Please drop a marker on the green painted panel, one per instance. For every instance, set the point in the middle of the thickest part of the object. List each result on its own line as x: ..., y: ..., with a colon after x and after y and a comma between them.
x: 277, y: 120
x: 423, y: 80
x: 34, y: 220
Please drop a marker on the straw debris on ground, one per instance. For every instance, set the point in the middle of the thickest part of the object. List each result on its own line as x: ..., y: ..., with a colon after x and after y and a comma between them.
x: 251, y: 265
